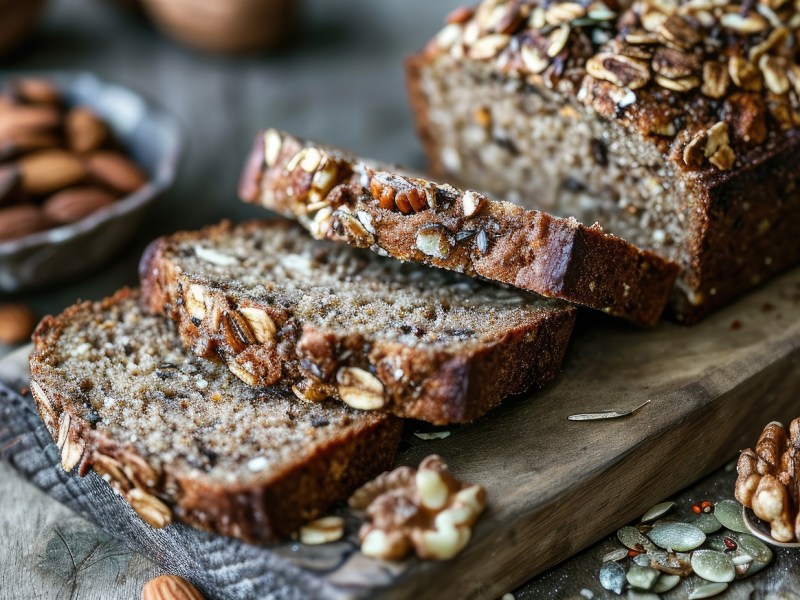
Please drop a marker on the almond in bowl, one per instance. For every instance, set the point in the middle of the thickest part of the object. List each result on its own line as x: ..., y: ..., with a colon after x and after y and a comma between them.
x: 76, y: 174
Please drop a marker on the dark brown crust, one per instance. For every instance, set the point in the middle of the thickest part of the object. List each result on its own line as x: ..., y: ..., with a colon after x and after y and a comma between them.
x: 436, y: 386
x: 262, y: 511
x: 554, y: 257
x: 741, y: 229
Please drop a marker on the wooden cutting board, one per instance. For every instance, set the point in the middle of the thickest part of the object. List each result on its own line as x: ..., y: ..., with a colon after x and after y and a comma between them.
x: 554, y: 485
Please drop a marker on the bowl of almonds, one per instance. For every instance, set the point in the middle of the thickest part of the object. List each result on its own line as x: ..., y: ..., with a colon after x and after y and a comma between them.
x: 80, y: 161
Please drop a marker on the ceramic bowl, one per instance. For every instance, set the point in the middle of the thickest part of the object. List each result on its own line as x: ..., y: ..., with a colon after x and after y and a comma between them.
x: 228, y: 26
x: 151, y: 137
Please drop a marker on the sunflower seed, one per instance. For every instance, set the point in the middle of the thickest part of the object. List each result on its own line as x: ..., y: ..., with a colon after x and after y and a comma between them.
x: 482, y: 241
x: 617, y: 554
x: 657, y: 511
x: 677, y: 536
x: 612, y: 577
x: 729, y: 513
x: 707, y: 523
x: 708, y: 590
x: 605, y: 414
x: 713, y: 566
x: 631, y: 538
x: 665, y: 583
x: 643, y: 578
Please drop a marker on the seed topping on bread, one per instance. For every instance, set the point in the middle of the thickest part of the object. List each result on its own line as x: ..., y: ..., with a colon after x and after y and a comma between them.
x: 705, y: 63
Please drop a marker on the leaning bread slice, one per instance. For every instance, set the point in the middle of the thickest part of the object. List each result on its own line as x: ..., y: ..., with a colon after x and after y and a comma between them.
x: 337, y: 196
x: 278, y: 306
x: 180, y: 437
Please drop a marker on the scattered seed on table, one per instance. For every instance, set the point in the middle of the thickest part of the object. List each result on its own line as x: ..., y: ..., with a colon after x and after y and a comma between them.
x: 677, y: 536
x: 713, y: 565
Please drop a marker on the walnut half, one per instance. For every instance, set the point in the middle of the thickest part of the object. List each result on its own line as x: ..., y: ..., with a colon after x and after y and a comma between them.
x: 769, y: 480
x: 426, y: 511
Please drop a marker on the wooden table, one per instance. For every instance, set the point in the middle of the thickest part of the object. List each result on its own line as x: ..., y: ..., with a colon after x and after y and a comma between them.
x: 342, y: 82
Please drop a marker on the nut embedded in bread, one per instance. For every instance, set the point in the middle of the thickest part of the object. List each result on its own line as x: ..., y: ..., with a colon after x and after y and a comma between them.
x: 674, y: 125
x: 337, y: 196
x: 181, y: 438
x: 329, y: 320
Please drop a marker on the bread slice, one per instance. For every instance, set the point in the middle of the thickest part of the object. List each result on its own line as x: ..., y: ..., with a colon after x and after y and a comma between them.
x: 686, y: 144
x: 337, y: 196
x: 181, y: 437
x: 278, y: 306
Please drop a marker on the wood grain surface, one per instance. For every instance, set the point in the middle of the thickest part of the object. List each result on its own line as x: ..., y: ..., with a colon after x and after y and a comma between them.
x: 555, y: 486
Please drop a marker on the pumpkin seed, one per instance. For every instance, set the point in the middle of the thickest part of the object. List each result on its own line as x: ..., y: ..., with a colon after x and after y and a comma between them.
x: 707, y: 523
x: 666, y: 582
x: 749, y: 544
x: 741, y: 559
x: 657, y: 511
x: 717, y: 542
x: 643, y: 560
x: 755, y: 567
x: 631, y: 538
x: 729, y: 513
x: 615, y: 555
x: 713, y: 566
x: 612, y: 577
x: 708, y: 590
x: 677, y: 536
x: 643, y: 578
x: 637, y: 595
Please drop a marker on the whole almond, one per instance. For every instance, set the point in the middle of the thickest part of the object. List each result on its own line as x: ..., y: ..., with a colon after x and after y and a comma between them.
x: 20, y: 118
x: 85, y: 131
x: 17, y: 323
x: 19, y: 221
x: 170, y: 587
x: 36, y: 91
x: 9, y: 183
x: 27, y: 140
x: 116, y: 171
x: 47, y: 171
x: 73, y: 204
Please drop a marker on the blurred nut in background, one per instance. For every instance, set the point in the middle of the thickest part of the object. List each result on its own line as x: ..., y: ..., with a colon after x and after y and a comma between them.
x: 231, y: 26
x: 17, y: 20
x: 58, y: 163
x: 17, y: 323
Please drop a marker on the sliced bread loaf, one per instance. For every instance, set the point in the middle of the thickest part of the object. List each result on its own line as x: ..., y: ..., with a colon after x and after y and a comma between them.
x: 337, y: 196
x: 181, y: 437
x: 278, y: 306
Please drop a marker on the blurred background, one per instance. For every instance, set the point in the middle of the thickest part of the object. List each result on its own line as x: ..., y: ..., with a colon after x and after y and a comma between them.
x: 332, y: 71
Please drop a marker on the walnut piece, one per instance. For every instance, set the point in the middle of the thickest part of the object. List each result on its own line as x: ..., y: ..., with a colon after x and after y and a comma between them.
x: 769, y: 480
x: 426, y: 511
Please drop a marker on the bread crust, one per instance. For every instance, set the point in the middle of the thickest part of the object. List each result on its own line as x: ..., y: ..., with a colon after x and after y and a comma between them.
x: 263, y: 510
x: 500, y: 241
x: 739, y: 214
x: 440, y: 386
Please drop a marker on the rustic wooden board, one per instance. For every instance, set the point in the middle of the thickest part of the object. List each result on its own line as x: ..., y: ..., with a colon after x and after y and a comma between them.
x: 554, y: 485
